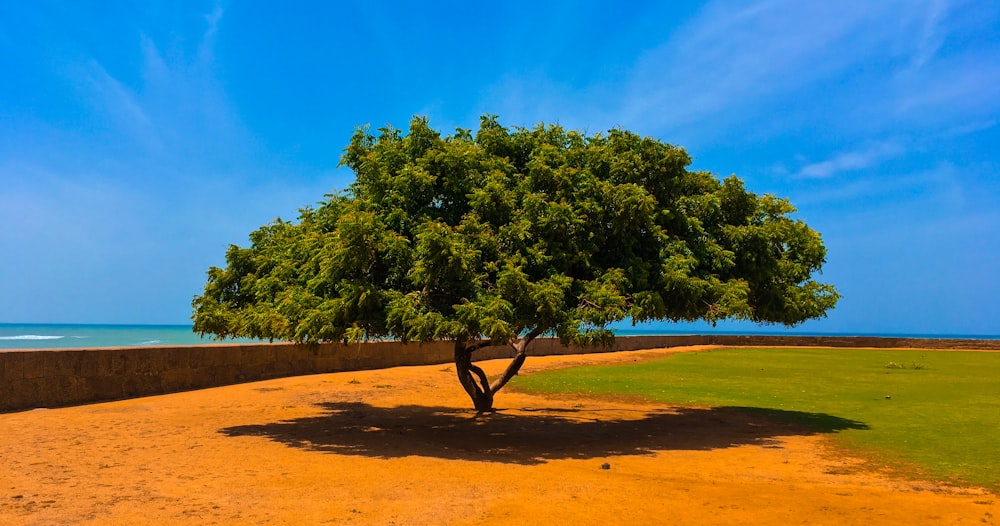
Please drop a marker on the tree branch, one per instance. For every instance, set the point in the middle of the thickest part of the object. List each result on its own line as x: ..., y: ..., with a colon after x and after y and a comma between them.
x: 584, y: 301
x: 483, y: 380
x: 482, y: 344
x: 520, y: 353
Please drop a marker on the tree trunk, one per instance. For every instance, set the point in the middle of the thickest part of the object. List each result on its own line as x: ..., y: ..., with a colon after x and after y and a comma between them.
x: 474, y: 380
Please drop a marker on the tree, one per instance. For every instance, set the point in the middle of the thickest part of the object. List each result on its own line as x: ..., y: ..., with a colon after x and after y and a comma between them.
x: 503, y: 236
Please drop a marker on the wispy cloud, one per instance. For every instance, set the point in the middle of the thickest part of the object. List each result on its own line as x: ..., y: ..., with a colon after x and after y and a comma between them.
x: 969, y: 128
x: 962, y: 87
x: 206, y: 46
x: 945, y: 187
x: 769, y: 62
x: 171, y: 108
x: 113, y: 102
x: 732, y: 54
x: 932, y: 35
x: 851, y: 161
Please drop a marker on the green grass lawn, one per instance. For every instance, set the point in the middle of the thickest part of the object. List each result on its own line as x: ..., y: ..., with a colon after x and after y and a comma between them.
x: 939, y: 410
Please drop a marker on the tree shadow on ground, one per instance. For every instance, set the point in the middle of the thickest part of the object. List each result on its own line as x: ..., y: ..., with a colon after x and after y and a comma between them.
x: 534, y: 436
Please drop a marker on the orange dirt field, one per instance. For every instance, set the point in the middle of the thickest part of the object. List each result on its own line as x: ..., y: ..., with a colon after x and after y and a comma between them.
x: 401, y: 446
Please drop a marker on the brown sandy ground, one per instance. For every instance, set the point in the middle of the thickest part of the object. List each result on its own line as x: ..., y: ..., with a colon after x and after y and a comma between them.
x: 400, y: 446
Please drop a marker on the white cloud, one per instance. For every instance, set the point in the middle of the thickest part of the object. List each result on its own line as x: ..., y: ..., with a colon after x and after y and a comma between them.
x: 762, y: 65
x: 206, y: 49
x: 931, y: 35
x: 113, y: 102
x: 732, y: 54
x: 969, y: 128
x: 944, y: 187
x: 167, y: 106
x: 965, y: 87
x: 851, y: 161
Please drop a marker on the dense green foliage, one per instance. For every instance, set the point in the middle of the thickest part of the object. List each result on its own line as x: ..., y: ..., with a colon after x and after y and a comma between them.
x: 512, y: 231
x: 938, y: 409
x: 502, y: 236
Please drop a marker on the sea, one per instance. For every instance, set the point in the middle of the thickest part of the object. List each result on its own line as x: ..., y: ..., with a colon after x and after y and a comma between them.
x: 77, y: 336
x: 72, y: 336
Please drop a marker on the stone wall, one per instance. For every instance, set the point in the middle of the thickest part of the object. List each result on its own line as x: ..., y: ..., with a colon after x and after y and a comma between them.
x: 51, y: 378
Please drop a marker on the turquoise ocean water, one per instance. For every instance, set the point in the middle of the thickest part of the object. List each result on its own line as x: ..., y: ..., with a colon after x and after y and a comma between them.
x: 59, y: 336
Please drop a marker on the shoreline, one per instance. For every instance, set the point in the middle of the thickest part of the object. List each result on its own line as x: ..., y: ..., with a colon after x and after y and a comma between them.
x: 69, y: 336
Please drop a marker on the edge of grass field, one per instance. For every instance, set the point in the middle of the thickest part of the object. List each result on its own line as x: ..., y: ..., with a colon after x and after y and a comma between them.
x: 880, y: 457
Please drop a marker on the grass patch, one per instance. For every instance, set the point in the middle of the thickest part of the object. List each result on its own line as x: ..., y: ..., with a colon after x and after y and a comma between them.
x: 939, y: 410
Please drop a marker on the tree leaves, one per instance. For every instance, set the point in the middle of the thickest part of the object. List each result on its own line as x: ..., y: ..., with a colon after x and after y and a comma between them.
x: 508, y: 231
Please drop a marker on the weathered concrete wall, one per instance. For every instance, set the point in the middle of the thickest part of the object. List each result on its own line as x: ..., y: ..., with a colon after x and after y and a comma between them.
x: 59, y: 377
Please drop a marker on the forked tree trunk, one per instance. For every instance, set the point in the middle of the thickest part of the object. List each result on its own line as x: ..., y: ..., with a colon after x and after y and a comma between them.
x: 475, y: 381
x: 473, y: 378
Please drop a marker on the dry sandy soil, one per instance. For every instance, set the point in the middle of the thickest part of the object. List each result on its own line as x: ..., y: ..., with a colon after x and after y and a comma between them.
x: 400, y: 446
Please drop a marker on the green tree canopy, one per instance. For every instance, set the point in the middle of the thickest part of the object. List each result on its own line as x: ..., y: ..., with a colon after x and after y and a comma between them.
x: 498, y: 237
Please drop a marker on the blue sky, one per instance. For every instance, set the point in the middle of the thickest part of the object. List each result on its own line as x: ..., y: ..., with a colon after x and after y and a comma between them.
x: 138, y: 140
